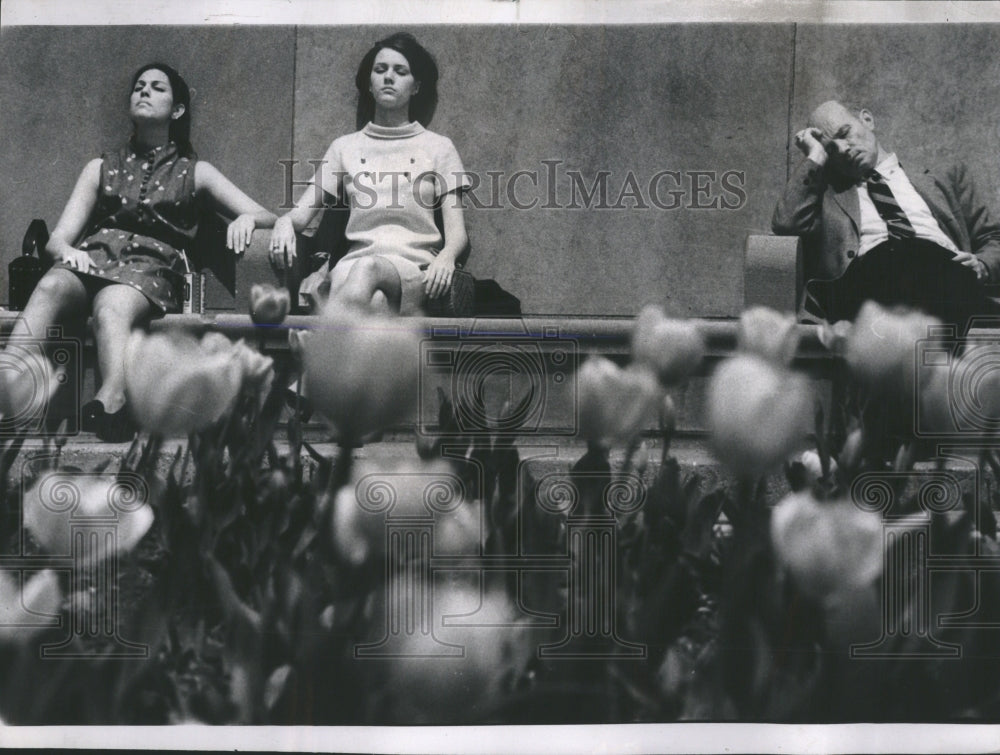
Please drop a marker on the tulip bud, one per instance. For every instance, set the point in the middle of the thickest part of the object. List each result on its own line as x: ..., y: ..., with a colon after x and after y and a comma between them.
x: 296, y: 344
x: 268, y: 305
x: 641, y: 459
x: 813, y: 466
x: 615, y: 403
x: 850, y: 454
x: 176, y: 385
x: 758, y: 413
x: 22, y: 611
x: 668, y: 415
x: 673, y: 349
x: 769, y: 334
x: 277, y: 485
x: 829, y: 548
x: 881, y: 346
x: 362, y: 372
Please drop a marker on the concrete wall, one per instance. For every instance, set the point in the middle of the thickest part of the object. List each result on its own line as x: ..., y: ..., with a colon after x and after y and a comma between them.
x: 629, y: 100
x: 934, y: 90
x: 64, y: 100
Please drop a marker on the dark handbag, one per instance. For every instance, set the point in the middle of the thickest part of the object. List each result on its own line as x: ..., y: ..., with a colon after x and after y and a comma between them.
x: 493, y: 301
x: 459, y: 300
x: 24, y: 272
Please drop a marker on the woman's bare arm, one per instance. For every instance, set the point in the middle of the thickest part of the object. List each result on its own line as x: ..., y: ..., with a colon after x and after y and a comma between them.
x: 74, y: 218
x: 437, y: 277
x: 249, y: 214
x: 293, y: 221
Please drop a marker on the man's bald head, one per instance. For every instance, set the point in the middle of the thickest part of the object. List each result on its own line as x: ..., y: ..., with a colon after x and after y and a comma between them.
x: 850, y: 136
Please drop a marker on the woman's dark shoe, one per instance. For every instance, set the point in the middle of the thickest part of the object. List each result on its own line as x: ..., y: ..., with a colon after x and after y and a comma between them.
x: 117, y: 427
x: 92, y: 416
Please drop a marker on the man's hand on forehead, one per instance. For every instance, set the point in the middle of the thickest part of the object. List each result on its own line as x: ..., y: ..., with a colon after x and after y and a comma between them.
x: 814, y: 144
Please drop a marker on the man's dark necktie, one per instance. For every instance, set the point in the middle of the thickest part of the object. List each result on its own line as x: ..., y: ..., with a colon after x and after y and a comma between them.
x: 888, y: 208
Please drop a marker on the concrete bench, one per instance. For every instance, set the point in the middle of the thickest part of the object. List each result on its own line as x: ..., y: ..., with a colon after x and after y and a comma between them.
x: 773, y: 278
x: 772, y: 272
x: 473, y: 339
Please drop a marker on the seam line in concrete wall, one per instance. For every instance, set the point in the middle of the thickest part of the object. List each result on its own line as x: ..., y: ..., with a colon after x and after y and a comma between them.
x: 295, y: 84
x: 791, y: 104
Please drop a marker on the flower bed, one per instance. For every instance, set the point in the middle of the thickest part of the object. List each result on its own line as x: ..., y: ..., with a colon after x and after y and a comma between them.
x: 244, y: 585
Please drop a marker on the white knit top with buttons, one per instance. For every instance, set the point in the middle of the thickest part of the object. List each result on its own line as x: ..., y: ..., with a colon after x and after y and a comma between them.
x: 392, y: 178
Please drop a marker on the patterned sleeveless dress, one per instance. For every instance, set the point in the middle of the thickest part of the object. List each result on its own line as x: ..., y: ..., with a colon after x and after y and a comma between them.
x: 146, y: 218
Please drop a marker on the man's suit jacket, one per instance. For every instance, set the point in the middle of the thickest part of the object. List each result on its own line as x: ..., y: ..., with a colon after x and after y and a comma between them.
x: 827, y: 215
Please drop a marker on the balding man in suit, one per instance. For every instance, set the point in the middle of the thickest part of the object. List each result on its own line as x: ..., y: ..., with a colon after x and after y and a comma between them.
x: 922, y: 237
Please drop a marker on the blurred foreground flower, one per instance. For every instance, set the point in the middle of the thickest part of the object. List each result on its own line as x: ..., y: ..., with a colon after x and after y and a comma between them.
x: 269, y: 305
x: 58, y: 500
x: 615, y: 403
x: 769, y: 334
x: 23, y: 611
x: 410, y: 489
x: 673, y: 349
x: 177, y: 385
x: 830, y: 548
x: 961, y: 396
x: 758, y: 413
x: 416, y: 689
x: 27, y: 381
x: 362, y: 372
x: 881, y: 346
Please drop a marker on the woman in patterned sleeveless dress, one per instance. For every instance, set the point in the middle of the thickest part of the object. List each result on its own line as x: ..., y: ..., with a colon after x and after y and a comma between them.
x: 393, y: 173
x: 132, y: 214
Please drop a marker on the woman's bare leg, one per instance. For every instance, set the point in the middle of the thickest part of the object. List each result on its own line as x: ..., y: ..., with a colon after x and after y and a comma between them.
x: 59, y: 297
x: 118, y: 310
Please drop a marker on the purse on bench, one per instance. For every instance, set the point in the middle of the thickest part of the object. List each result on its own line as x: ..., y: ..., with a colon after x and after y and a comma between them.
x: 458, y: 301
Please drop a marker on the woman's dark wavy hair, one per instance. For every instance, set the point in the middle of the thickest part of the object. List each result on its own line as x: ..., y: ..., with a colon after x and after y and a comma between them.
x: 422, y: 66
x: 180, y: 129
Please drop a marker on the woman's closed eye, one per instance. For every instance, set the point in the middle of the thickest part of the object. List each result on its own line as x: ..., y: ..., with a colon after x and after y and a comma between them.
x: 398, y: 70
x: 156, y: 87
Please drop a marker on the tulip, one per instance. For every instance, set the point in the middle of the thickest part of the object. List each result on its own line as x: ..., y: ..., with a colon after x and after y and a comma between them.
x: 176, y: 385
x: 379, y: 494
x: 881, y: 346
x: 418, y: 689
x: 673, y: 349
x: 615, y: 403
x: 758, y: 413
x: 961, y: 396
x: 23, y: 611
x: 27, y: 382
x: 269, y: 305
x: 830, y: 549
x: 362, y: 372
x: 59, y: 500
x: 769, y: 334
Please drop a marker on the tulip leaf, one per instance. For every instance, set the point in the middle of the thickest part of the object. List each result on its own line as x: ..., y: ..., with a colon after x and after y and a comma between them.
x: 697, y: 538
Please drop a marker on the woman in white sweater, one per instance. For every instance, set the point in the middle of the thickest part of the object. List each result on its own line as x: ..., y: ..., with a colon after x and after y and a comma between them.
x: 393, y: 173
